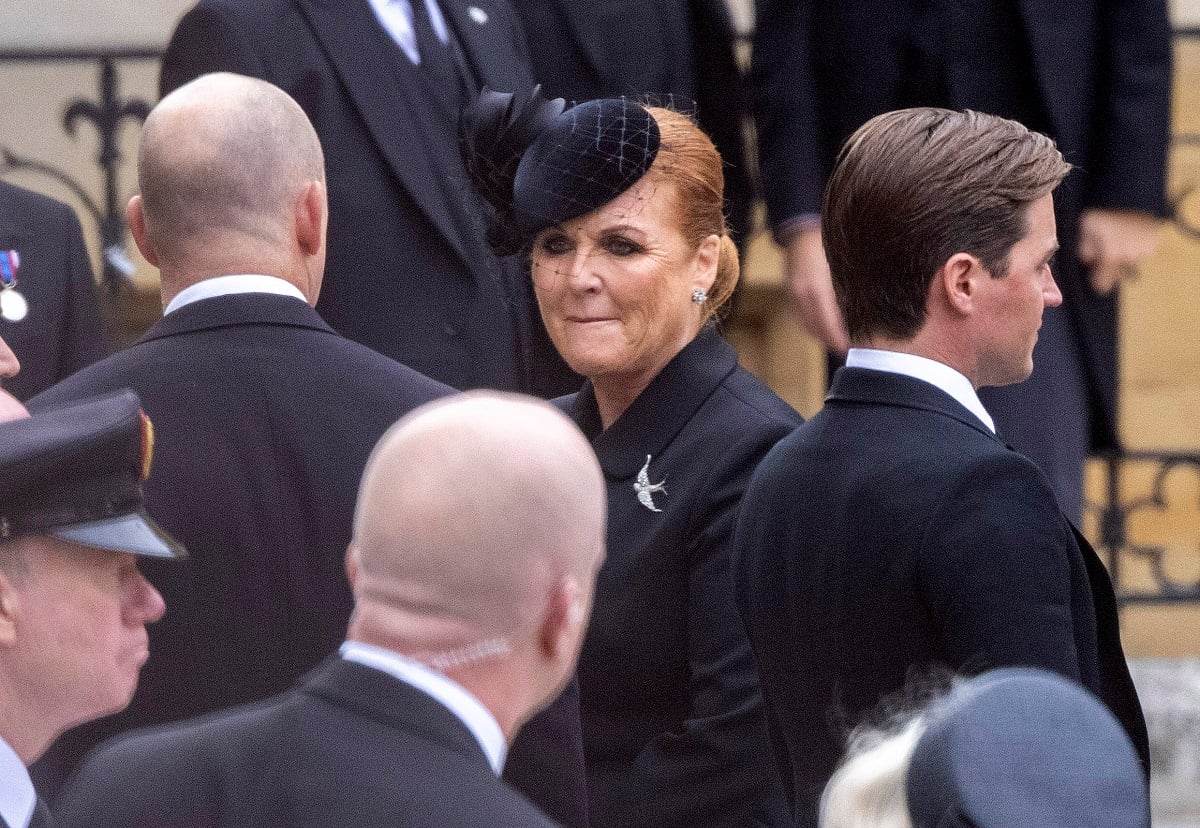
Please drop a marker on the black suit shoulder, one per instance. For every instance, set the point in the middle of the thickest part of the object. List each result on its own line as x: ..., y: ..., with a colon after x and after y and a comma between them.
x: 18, y: 203
x: 301, y: 759
x: 296, y: 341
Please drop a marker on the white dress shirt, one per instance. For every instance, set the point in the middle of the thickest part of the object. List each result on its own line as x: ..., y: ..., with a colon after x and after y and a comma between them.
x: 468, y: 709
x: 17, y: 798
x: 935, y: 373
x: 226, y: 285
x: 396, y: 18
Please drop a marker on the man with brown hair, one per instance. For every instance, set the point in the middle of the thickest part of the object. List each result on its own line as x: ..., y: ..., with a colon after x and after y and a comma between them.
x: 895, y: 531
x: 1095, y: 75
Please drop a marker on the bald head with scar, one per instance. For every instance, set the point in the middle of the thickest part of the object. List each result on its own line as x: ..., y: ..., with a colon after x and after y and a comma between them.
x: 478, y: 534
x: 232, y: 180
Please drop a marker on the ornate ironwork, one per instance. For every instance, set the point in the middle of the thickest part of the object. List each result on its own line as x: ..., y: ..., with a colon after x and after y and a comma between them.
x: 1189, y: 195
x: 107, y: 114
x: 1126, y: 556
x: 1120, y: 505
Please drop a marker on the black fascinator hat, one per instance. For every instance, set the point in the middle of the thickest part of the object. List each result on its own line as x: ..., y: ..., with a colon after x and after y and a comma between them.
x: 539, y: 164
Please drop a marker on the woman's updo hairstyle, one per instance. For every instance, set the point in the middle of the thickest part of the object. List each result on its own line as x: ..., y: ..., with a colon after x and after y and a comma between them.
x: 687, y: 158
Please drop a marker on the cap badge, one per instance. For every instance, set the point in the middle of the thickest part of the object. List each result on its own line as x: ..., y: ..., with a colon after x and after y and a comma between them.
x: 147, y: 444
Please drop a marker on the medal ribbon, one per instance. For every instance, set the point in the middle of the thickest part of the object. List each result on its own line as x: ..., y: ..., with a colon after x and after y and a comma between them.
x: 10, y: 263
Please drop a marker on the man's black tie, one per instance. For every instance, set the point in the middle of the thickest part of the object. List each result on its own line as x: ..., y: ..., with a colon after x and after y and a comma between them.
x: 437, y: 62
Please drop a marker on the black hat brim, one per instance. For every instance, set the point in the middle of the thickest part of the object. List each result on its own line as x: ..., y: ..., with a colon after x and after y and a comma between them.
x: 135, y: 533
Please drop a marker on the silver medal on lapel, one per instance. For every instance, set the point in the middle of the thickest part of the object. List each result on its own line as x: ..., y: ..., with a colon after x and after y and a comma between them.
x: 13, y: 306
x: 645, y: 488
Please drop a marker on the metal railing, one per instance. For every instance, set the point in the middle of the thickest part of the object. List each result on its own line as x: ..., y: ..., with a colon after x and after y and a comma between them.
x: 106, y: 113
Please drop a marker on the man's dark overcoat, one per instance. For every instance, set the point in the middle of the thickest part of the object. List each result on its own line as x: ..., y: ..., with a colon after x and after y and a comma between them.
x: 350, y: 745
x: 894, y: 532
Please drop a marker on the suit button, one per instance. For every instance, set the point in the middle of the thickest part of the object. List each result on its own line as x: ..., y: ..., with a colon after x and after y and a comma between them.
x: 449, y: 330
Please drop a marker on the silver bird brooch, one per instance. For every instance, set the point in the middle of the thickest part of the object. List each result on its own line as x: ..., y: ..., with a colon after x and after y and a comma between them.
x: 645, y: 488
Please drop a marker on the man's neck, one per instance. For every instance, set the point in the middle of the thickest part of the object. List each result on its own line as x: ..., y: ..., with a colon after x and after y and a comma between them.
x: 926, y: 346
x: 23, y: 730
x: 228, y: 285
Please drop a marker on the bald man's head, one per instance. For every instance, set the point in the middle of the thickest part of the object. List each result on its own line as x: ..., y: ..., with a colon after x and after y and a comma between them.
x: 472, y: 511
x: 225, y: 154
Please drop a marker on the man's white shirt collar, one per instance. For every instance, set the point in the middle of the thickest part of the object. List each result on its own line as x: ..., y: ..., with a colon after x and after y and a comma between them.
x: 396, y: 18
x: 935, y: 373
x: 17, y: 797
x: 227, y: 285
x: 469, y: 710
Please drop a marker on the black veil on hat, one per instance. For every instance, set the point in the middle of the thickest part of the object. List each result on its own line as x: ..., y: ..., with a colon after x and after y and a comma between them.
x: 538, y: 163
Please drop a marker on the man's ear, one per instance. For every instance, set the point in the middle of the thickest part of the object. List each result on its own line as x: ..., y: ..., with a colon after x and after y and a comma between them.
x: 135, y: 217
x: 564, y: 622
x: 311, y: 211
x: 352, y: 563
x: 10, y: 610
x: 959, y: 281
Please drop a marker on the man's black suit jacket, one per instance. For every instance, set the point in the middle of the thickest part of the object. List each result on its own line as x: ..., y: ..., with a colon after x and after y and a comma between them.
x: 64, y: 330
x: 409, y: 273
x: 1100, y: 73
x: 349, y: 746
x: 893, y: 532
x: 678, y: 52
x: 264, y: 419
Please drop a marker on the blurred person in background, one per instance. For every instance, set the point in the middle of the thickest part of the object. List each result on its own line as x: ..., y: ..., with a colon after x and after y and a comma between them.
x: 49, y: 312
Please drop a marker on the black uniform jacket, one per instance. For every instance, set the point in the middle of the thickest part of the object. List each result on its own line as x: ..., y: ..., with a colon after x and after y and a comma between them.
x: 672, y: 715
x: 64, y: 330
x: 349, y: 746
x: 1095, y: 75
x: 409, y: 273
x: 893, y: 532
